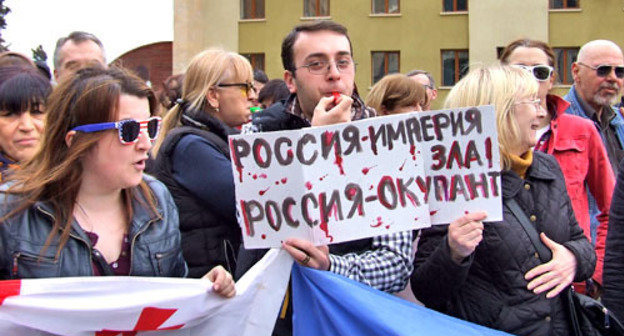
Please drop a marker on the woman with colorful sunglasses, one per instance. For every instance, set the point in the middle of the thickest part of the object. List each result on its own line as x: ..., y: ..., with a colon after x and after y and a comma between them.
x: 82, y: 206
x: 193, y: 159
x: 576, y: 145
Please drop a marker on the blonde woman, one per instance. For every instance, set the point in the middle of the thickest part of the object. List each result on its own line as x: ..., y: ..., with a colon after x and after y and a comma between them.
x: 491, y: 273
x: 193, y: 160
x: 397, y: 93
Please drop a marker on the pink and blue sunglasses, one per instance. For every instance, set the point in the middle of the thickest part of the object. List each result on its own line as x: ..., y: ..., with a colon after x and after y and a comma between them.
x: 129, y: 129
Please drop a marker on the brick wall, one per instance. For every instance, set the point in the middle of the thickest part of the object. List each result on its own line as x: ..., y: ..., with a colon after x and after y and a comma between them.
x: 152, y: 62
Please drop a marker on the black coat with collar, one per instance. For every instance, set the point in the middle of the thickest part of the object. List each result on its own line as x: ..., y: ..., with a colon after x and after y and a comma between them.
x: 210, y: 237
x: 489, y: 288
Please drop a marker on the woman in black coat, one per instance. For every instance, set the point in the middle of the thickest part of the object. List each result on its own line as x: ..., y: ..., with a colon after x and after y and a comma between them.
x: 490, y: 273
x: 613, y: 275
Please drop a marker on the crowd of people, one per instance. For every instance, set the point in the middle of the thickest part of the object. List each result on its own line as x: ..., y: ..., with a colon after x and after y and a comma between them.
x: 77, y: 202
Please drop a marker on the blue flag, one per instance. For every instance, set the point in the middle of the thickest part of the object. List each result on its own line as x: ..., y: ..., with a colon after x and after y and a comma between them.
x: 325, y: 303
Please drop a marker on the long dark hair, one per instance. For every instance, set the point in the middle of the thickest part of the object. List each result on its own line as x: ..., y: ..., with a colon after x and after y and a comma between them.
x: 54, y: 174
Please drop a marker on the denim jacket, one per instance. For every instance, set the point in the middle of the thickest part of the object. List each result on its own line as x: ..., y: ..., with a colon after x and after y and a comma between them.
x: 576, y: 109
x: 155, y: 243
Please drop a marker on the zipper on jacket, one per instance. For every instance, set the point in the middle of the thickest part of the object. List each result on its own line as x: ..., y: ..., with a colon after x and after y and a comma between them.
x: 607, y: 323
x: 71, y: 235
x: 143, y: 229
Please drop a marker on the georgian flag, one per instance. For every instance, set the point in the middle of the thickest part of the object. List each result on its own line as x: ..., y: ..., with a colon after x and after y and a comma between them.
x: 128, y: 306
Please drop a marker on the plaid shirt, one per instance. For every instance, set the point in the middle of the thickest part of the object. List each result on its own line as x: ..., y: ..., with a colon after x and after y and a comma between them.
x: 388, y: 265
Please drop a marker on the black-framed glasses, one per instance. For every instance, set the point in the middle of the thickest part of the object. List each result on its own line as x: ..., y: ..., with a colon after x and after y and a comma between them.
x: 323, y: 67
x: 604, y: 70
x: 541, y: 72
x: 247, y: 87
x: 129, y: 129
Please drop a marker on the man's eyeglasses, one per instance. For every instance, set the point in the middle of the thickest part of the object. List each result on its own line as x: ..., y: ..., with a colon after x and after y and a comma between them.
x: 129, y: 129
x: 323, y: 67
x: 428, y: 86
x: 247, y: 87
x: 541, y: 72
x: 604, y: 70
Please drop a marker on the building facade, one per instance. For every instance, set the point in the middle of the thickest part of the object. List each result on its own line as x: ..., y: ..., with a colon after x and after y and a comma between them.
x: 441, y: 36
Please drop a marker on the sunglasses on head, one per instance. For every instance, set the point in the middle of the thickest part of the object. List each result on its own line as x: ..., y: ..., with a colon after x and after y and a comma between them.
x: 129, y: 129
x: 604, y: 70
x: 540, y: 72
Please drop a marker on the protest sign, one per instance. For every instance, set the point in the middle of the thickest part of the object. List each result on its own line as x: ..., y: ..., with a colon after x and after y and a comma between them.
x: 366, y: 178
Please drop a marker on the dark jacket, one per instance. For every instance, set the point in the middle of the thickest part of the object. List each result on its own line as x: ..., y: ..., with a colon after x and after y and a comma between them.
x: 155, y: 243
x: 613, y: 296
x: 194, y: 163
x: 489, y: 288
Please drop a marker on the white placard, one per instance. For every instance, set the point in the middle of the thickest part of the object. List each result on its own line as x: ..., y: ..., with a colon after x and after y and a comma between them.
x: 366, y: 178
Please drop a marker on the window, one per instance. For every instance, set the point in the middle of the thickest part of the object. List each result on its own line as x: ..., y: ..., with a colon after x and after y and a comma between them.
x: 256, y: 60
x: 384, y: 62
x: 252, y: 9
x: 564, y: 4
x: 315, y: 7
x: 564, y: 57
x: 454, y: 66
x: 385, y: 6
x: 455, y: 5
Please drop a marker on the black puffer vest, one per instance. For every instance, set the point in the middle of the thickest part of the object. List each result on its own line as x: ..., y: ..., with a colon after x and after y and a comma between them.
x: 208, y: 240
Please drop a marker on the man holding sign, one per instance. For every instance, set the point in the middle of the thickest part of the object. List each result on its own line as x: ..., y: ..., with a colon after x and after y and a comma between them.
x: 320, y: 72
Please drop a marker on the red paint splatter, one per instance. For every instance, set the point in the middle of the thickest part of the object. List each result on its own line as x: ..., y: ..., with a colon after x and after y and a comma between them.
x: 371, y: 187
x: 431, y: 213
x: 324, y: 228
x: 239, y: 166
x: 387, y: 227
x: 465, y: 212
x: 323, y: 177
x: 365, y: 138
x: 276, y: 182
x: 378, y: 223
x: 334, y: 209
x: 488, y: 151
x: 308, y: 185
x: 412, y: 151
x: 254, y: 176
x: 352, y: 192
x: 263, y: 176
x: 263, y: 236
x: 262, y: 192
x: 289, y: 153
x: 248, y: 174
x: 327, y: 137
x: 415, y: 218
x: 412, y: 200
x: 365, y: 170
x: 247, y: 229
x: 403, y: 165
x: 284, y: 180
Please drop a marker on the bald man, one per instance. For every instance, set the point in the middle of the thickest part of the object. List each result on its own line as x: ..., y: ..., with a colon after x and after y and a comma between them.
x: 598, y: 77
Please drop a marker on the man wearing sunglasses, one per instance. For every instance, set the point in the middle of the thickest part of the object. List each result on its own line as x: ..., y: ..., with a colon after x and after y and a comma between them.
x: 598, y: 77
x: 320, y: 74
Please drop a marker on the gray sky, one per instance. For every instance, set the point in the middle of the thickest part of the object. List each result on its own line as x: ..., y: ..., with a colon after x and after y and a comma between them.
x: 122, y: 25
